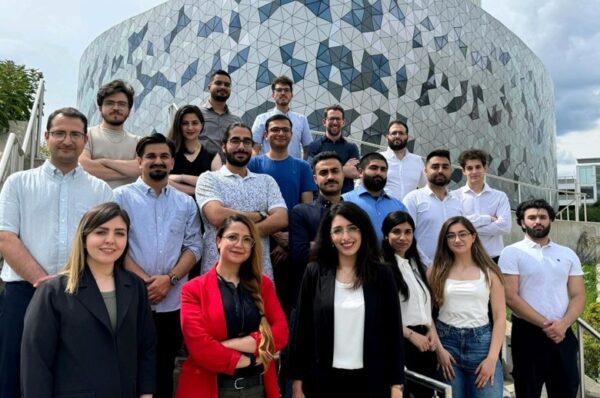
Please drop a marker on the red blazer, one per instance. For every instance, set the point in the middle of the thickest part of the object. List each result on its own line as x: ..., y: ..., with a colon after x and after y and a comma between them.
x: 204, y: 327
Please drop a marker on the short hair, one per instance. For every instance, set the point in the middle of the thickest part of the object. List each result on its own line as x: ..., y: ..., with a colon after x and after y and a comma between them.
x: 326, y: 155
x: 335, y: 107
x: 284, y: 81
x: 275, y: 117
x: 533, y: 204
x: 369, y: 157
x: 154, y: 138
x: 472, y: 154
x: 114, y: 87
x: 68, y: 112
x: 176, y: 132
x: 442, y: 153
x: 218, y: 72
x: 231, y: 127
x: 400, y: 122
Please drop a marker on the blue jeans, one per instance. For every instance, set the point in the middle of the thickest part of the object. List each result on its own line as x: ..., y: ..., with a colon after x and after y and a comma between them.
x: 469, y: 347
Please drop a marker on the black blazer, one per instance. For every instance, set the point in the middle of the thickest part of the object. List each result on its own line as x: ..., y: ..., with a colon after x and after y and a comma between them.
x: 69, y: 348
x: 311, y: 350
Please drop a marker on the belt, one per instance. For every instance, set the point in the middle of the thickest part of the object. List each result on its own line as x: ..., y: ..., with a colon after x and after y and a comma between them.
x: 240, y: 383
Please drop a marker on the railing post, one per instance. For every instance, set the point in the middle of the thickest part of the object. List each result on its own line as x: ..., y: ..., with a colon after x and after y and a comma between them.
x: 519, y: 192
x: 581, y: 362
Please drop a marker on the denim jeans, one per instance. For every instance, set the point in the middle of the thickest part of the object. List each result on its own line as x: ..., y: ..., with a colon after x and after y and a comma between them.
x: 469, y: 347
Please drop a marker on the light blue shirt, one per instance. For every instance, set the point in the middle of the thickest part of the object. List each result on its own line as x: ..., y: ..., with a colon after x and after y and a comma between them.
x: 376, y: 207
x: 43, y: 207
x: 162, y: 228
x: 300, y: 132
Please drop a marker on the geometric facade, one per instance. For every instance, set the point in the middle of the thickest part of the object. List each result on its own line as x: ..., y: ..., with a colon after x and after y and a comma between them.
x: 458, y: 76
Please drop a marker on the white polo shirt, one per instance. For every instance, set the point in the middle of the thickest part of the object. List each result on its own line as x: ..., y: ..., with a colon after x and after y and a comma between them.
x: 479, y: 209
x: 404, y: 175
x: 543, y: 274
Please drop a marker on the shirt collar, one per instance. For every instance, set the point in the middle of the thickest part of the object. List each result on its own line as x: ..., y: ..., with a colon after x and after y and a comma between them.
x: 208, y: 105
x: 486, y: 188
x: 535, y: 245
x: 52, y: 170
x: 228, y: 173
x: 390, y: 154
x: 361, y: 190
x: 147, y: 189
x: 341, y: 139
x: 322, y: 201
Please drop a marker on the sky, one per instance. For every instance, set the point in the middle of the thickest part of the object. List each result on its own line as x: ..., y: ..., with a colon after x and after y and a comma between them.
x: 564, y: 34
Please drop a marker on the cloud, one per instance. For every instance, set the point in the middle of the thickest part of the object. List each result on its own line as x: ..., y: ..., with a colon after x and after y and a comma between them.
x: 565, y: 35
x: 575, y: 145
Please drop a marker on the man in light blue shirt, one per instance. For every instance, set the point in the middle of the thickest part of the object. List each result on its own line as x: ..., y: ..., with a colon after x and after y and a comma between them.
x: 369, y: 195
x: 164, y: 244
x: 39, y: 213
x: 301, y: 137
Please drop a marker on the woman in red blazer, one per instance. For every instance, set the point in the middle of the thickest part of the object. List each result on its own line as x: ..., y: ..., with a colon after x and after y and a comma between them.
x: 232, y: 322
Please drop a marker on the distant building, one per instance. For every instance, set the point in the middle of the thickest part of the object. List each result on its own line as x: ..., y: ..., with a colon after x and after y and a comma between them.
x: 588, y: 177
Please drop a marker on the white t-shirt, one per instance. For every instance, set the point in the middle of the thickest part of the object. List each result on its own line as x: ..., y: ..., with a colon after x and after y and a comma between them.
x: 544, y: 272
x: 404, y: 175
x: 348, y: 326
x: 417, y: 309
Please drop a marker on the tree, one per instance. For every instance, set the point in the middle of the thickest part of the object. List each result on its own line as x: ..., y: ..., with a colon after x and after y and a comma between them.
x: 18, y: 85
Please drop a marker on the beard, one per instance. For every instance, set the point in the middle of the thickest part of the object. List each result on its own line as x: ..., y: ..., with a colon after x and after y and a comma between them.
x: 538, y: 233
x: 158, y: 174
x: 220, y: 97
x: 231, y: 159
x: 332, y: 189
x: 396, y: 147
x: 439, y: 180
x: 375, y: 184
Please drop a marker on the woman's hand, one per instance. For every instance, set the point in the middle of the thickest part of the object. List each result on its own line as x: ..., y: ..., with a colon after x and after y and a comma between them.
x: 396, y: 393
x: 243, y: 362
x: 445, y: 361
x: 242, y: 344
x: 432, y: 337
x: 485, y: 372
x: 418, y: 340
x: 297, y: 389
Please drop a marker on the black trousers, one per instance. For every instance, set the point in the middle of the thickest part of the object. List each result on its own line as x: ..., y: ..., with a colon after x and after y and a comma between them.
x: 424, y: 363
x: 169, y: 340
x: 537, y: 360
x: 13, y: 303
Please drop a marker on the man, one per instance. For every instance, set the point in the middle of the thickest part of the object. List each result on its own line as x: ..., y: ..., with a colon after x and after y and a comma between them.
x: 164, y: 244
x: 39, y: 213
x: 370, y: 195
x: 406, y: 172
x: 333, y: 140
x: 216, y: 112
x: 545, y: 291
x: 282, y: 89
x: 234, y: 189
x: 432, y: 205
x: 306, y: 217
x: 110, y: 151
x: 487, y: 208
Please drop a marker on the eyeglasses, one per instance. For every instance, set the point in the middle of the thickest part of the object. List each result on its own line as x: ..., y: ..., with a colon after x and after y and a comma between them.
x: 280, y: 130
x: 338, y: 232
x: 234, y: 239
x: 235, y: 141
x: 115, y: 104
x: 284, y: 90
x: 461, y: 235
x: 61, y: 135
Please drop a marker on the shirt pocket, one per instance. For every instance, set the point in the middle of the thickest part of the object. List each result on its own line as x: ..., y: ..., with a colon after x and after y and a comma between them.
x: 423, y: 207
x: 177, y: 225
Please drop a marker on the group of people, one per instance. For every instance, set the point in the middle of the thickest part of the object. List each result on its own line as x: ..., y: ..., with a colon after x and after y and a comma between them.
x: 230, y: 240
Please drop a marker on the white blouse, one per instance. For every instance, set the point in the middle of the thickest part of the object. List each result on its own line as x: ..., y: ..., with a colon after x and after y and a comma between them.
x: 417, y: 309
x: 348, y: 326
x: 466, y: 302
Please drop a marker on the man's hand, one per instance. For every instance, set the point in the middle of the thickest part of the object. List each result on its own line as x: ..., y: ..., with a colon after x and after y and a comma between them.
x: 555, y: 330
x: 279, y: 254
x: 158, y: 288
x: 350, y: 168
x: 41, y: 280
x: 282, y: 238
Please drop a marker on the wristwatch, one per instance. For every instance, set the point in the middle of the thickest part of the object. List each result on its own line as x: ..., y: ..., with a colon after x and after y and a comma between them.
x: 174, y: 278
x: 263, y: 215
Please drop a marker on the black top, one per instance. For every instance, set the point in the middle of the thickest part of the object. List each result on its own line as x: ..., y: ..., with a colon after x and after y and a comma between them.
x: 196, y: 167
x: 347, y: 150
x: 241, y: 316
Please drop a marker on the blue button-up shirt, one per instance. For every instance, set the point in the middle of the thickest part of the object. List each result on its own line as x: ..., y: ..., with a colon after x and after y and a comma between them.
x: 376, y: 207
x: 43, y: 207
x: 300, y: 132
x: 162, y: 228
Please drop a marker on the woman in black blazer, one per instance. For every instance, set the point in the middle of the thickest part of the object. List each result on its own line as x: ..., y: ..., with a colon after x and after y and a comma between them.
x: 89, y: 332
x: 347, y: 337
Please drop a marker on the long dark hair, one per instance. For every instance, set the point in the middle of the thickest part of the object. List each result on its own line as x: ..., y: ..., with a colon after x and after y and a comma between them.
x: 368, y: 253
x: 412, y: 255
x: 176, y: 133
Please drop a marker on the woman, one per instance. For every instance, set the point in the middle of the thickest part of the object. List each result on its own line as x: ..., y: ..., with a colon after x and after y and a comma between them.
x: 232, y: 322
x: 89, y: 332
x: 191, y: 159
x: 463, y: 280
x: 420, y: 338
x: 346, y: 341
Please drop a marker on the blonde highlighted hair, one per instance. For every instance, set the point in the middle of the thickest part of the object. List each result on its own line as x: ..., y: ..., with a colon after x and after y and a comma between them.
x: 444, y: 259
x: 91, y: 220
x: 251, y: 280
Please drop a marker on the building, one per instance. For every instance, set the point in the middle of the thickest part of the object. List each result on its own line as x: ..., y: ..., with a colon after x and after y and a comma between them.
x: 457, y: 75
x: 588, y: 177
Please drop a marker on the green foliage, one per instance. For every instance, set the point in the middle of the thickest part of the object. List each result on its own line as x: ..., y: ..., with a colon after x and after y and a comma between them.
x: 18, y: 85
x: 593, y: 213
x: 591, y: 315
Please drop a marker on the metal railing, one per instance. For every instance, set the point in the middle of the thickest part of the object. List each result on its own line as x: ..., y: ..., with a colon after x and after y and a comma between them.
x: 438, y: 389
x: 14, y: 155
x: 583, y: 326
x: 517, y: 191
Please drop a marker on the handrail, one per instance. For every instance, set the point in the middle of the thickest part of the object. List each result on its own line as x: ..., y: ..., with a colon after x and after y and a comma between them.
x: 172, y: 109
x: 519, y: 184
x: 435, y: 385
x: 581, y: 326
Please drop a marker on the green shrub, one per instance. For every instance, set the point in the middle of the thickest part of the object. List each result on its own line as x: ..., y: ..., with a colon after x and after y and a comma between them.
x: 592, y: 346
